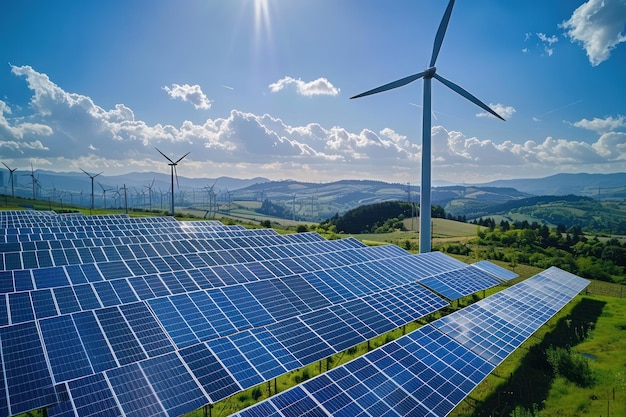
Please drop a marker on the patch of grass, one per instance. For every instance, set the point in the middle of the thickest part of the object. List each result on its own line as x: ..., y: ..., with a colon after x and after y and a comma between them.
x: 524, y: 385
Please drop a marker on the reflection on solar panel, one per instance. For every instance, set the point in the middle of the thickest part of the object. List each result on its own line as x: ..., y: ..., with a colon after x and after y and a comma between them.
x: 431, y: 370
x: 493, y: 269
x: 111, y: 315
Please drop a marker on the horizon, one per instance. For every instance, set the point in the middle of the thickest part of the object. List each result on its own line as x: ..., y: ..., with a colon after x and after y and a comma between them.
x: 256, y: 89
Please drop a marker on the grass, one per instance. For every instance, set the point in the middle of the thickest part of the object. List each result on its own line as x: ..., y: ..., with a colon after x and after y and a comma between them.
x: 523, y: 385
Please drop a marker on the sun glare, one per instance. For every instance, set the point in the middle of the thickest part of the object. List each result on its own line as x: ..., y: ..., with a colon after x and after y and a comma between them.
x: 262, y: 26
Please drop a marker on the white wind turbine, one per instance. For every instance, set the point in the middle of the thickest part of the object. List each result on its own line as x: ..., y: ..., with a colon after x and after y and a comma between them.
x: 428, y: 75
x: 11, y: 178
x: 172, y: 165
x: 91, y: 176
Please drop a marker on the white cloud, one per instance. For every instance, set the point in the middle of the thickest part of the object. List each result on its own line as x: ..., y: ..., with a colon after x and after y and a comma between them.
x: 599, y: 26
x: 547, y: 39
x: 191, y: 93
x: 602, y: 125
x: 79, y: 133
x: 321, y: 86
x: 504, y: 111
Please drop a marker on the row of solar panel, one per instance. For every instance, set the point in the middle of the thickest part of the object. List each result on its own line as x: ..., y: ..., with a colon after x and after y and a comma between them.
x: 70, y: 252
x: 431, y: 370
x: 52, y: 233
x: 36, y: 222
x: 86, y: 289
x: 300, y: 258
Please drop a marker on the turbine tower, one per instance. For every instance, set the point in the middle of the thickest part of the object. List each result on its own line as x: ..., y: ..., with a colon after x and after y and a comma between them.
x: 172, y: 165
x: 92, y: 178
x: 428, y: 75
x: 11, y: 171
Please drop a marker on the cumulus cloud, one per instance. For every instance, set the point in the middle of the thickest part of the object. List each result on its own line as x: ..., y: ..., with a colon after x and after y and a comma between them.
x: 321, y: 86
x: 501, y: 109
x: 190, y: 93
x: 68, y: 130
x: 599, y: 26
x: 602, y: 125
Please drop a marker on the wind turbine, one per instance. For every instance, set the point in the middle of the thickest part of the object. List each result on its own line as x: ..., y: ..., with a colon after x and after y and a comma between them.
x: 104, y: 194
x: 92, y: 177
x: 149, y: 187
x: 11, y: 171
x: 34, y: 180
x: 212, y: 197
x: 172, y: 165
x: 428, y: 75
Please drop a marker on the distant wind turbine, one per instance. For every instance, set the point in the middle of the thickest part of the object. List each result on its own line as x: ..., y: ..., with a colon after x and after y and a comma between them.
x: 34, y: 180
x: 149, y: 187
x: 11, y: 171
x: 428, y: 75
x: 104, y: 194
x: 92, y: 178
x: 172, y: 165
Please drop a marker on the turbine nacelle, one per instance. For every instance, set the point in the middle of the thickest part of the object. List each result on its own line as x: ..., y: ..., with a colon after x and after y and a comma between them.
x: 429, y: 72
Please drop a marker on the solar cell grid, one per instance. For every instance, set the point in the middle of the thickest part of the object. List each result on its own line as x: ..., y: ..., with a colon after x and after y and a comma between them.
x: 92, y: 396
x: 211, y: 375
x: 67, y: 356
x: 173, y: 385
x: 28, y: 381
x: 242, y: 370
x: 258, y: 355
x: 153, y: 339
x: 44, y: 304
x: 300, y: 341
x: 173, y: 323
x: 133, y: 392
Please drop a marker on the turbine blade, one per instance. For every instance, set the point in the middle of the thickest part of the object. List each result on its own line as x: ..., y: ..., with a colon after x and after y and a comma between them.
x: 6, y: 166
x: 441, y: 32
x: 165, y: 156
x: 176, y: 175
x: 88, y: 174
x: 182, y: 157
x: 467, y: 95
x: 392, y: 85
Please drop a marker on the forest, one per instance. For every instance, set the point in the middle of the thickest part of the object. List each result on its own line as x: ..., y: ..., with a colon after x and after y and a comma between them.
x: 572, y: 248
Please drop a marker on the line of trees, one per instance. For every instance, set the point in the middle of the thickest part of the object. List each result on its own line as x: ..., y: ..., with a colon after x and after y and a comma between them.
x: 378, y: 217
x: 542, y: 246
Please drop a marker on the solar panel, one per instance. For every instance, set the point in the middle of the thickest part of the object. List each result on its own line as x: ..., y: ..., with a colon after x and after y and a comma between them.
x: 495, y: 270
x: 164, y: 317
x: 432, y: 369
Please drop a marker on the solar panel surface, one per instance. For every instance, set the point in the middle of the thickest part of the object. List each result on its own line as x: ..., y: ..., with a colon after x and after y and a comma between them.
x: 154, y: 316
x: 432, y: 369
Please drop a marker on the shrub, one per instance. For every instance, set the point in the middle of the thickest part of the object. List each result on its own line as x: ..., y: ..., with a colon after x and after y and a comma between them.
x: 571, y: 366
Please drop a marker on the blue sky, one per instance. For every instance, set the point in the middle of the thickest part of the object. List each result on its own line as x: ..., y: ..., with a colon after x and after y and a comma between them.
x: 261, y: 88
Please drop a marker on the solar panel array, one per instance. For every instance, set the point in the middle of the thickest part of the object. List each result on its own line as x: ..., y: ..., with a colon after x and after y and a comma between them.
x: 111, y: 315
x: 432, y: 369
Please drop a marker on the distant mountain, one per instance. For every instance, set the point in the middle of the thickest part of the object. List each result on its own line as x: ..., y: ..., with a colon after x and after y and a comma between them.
x: 606, y: 186
x: 313, y: 201
x: 49, y: 182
